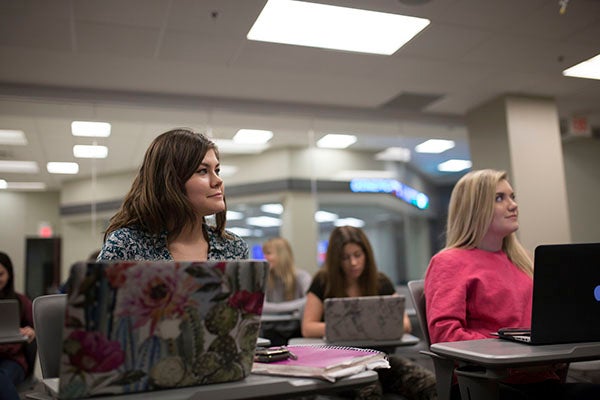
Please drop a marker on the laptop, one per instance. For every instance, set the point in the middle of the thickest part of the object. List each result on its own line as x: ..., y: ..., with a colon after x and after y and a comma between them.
x: 364, y: 320
x: 138, y: 326
x: 10, y: 322
x: 566, y: 296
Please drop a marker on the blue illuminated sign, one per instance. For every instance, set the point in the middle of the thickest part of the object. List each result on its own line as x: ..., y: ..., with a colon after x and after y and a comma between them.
x: 392, y: 186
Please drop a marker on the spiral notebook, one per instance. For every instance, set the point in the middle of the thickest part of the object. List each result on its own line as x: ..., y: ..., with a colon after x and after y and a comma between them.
x: 135, y: 326
x: 325, y: 362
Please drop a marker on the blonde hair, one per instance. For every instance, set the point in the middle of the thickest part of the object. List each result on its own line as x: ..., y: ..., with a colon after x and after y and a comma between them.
x: 285, y: 269
x: 470, y: 215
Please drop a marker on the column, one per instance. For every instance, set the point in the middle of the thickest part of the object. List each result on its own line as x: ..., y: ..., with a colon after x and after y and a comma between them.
x: 521, y: 135
x: 300, y: 229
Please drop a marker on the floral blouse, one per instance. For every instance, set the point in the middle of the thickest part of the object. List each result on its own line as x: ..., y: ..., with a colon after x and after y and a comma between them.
x: 132, y: 243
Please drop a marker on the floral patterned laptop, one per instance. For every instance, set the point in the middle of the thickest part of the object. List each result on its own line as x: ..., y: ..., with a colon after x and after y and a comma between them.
x: 139, y: 326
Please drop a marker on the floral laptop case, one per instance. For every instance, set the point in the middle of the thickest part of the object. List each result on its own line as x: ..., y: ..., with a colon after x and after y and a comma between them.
x: 140, y: 326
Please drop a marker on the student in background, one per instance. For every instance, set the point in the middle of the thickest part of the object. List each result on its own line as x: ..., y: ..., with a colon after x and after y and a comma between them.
x: 14, y: 366
x: 163, y: 215
x: 350, y: 271
x: 482, y: 281
x: 286, y: 291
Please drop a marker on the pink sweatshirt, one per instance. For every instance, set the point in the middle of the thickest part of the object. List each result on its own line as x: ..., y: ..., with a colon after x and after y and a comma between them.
x: 471, y: 293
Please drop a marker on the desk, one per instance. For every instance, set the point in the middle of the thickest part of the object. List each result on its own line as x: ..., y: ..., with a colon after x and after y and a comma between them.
x: 407, y: 340
x: 252, y: 387
x: 497, y: 356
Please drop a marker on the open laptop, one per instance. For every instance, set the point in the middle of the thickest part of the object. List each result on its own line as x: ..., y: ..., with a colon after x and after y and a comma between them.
x: 566, y: 296
x: 10, y: 322
x: 140, y: 326
x: 364, y: 320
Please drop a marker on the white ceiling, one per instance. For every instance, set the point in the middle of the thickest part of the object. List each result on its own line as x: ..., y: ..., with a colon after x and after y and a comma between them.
x: 149, y: 65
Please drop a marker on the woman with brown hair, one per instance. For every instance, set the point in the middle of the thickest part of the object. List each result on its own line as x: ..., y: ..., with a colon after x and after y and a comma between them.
x: 163, y: 217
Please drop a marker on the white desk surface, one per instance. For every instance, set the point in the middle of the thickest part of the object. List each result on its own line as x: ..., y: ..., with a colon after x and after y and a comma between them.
x: 253, y: 386
x: 407, y: 340
x: 504, y: 353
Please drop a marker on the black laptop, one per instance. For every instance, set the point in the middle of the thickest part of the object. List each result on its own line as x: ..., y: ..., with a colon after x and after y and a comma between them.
x: 566, y: 296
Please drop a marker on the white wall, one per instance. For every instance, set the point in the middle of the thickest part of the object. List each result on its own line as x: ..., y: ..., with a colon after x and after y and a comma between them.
x: 20, y: 216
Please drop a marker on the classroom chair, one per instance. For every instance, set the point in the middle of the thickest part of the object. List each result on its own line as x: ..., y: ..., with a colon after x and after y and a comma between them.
x: 48, y: 321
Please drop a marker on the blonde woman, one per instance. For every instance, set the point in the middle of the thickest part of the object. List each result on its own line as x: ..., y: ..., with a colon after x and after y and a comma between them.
x: 286, y: 291
x: 482, y: 280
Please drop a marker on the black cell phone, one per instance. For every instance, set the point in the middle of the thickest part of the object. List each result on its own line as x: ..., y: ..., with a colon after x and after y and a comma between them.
x: 270, y: 354
x: 514, y: 331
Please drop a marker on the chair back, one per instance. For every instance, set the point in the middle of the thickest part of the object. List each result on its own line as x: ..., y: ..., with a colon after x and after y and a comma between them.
x: 417, y: 293
x: 48, y: 321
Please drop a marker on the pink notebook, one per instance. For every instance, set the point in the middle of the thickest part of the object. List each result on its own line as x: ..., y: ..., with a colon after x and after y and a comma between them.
x: 325, y: 362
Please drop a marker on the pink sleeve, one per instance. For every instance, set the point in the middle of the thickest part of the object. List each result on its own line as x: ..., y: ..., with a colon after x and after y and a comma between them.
x: 446, y: 293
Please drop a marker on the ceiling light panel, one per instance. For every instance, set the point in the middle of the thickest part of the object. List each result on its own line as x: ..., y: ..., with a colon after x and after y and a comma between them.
x: 12, y: 137
x: 435, y: 146
x: 62, y: 167
x: 90, y: 151
x: 589, y: 69
x: 23, y: 185
x: 332, y: 27
x: 454, y: 165
x: 19, y: 167
x: 90, y: 129
x: 264, y: 221
x: 336, y: 141
x: 252, y: 136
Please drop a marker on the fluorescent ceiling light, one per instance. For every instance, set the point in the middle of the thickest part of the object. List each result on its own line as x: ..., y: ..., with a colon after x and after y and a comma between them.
x: 400, y: 154
x: 272, y: 208
x: 234, y: 215
x: 243, y: 232
x: 231, y: 147
x: 348, y: 174
x: 357, y: 223
x: 325, y: 216
x: 434, y: 146
x: 62, y: 167
x: 90, y: 151
x: 263, y: 221
x: 228, y: 170
x: 589, y: 69
x: 19, y: 167
x: 23, y: 185
x: 336, y: 141
x: 90, y: 129
x: 3, y: 184
x: 12, y: 137
x: 252, y: 136
x: 332, y: 27
x: 454, y: 165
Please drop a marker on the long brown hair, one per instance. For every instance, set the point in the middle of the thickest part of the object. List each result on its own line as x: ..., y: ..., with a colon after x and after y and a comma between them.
x: 470, y: 213
x: 285, y: 270
x: 157, y: 199
x: 8, y: 292
x: 333, y: 271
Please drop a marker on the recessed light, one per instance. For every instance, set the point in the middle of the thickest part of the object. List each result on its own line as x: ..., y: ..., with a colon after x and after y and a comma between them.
x: 333, y: 27
x: 400, y: 154
x: 252, y: 136
x: 434, y: 146
x: 3, y: 184
x: 589, y: 69
x: 22, y: 185
x: 234, y: 215
x: 19, y: 167
x: 351, y: 221
x: 336, y: 141
x: 90, y: 129
x: 90, y: 151
x: 454, y: 165
x: 12, y: 137
x: 272, y: 208
x: 62, y: 167
x: 325, y: 216
x: 264, y: 221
